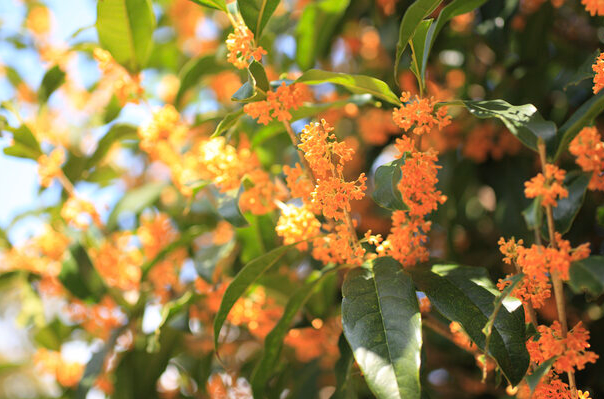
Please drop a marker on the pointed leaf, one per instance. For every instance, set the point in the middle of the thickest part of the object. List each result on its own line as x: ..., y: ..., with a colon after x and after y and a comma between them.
x: 533, y: 214
x: 228, y: 207
x: 540, y: 372
x: 216, y: 4
x: 386, y: 193
x: 342, y: 369
x: 382, y: 323
x: 588, y: 275
x: 51, y: 81
x: 578, y: 120
x: 79, y: 276
x: 256, y: 13
x: 193, y: 71
x: 568, y: 208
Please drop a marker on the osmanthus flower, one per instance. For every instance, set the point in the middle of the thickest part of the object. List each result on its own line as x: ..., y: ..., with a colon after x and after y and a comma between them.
x: 241, y: 47
x: 419, y: 114
x: 80, y: 212
x: 337, y: 246
x: 406, y: 240
x: 39, y: 21
x: 298, y: 183
x: 97, y: 319
x: 49, y: 166
x: 67, y: 373
x: 126, y: 87
x: 278, y: 103
x: 549, y: 187
x: 588, y: 147
x: 598, y: 67
x: 594, y: 7
x: 165, y: 126
x: 376, y: 126
x: 119, y: 262
x: 297, y: 224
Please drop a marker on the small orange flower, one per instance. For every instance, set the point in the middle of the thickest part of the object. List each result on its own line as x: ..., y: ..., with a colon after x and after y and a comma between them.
x: 241, y: 47
x: 598, y: 67
x: 118, y: 262
x: 39, y: 21
x: 298, y: 182
x: 80, y: 213
x: 68, y: 374
x: 588, y: 147
x: 419, y: 114
x: 297, y: 224
x: 375, y: 126
x: 594, y: 7
x: 49, y: 166
x: 548, y: 187
x: 126, y: 87
x: 278, y: 103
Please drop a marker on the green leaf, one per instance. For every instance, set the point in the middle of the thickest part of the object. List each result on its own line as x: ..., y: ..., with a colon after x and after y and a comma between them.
x: 125, y: 29
x: 52, y: 80
x: 228, y: 207
x: 578, y: 120
x: 533, y: 379
x: 523, y: 121
x: 382, y: 323
x: 25, y: 144
x: 600, y: 215
x: 386, y: 193
x: 342, y: 369
x: 193, y: 71
x: 206, y: 259
x: 413, y: 17
x: 418, y: 51
x: 228, y: 122
x: 168, y: 312
x: 274, y: 340
x: 568, y: 208
x: 79, y: 276
x: 135, y: 201
x: 585, y: 71
x: 246, y: 277
x: 453, y: 9
x: 533, y: 215
x: 359, y: 84
x: 315, y: 29
x: 258, y: 76
x: 52, y: 335
x: 587, y: 275
x: 462, y: 294
x: 216, y: 4
x: 112, y: 110
x: 256, y: 14
x: 118, y: 132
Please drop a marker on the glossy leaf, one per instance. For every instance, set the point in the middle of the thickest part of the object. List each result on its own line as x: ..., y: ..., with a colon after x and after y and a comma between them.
x: 193, y: 71
x: 315, y: 28
x: 274, y: 340
x: 568, y: 208
x: 578, y: 120
x: 418, y: 48
x: 359, y: 84
x: 247, y: 276
x: 216, y: 4
x: 412, y: 18
x: 135, y: 201
x: 523, y: 121
x: 118, y: 132
x: 460, y: 294
x: 256, y: 14
x: 125, y: 28
x: 382, y: 323
x: 228, y: 207
x: 386, y: 193
x: 540, y: 372
x: 588, y: 275
x: 52, y: 80
x: 227, y: 122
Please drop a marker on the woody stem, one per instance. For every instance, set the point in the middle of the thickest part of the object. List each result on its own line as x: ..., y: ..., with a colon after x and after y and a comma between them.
x: 557, y: 282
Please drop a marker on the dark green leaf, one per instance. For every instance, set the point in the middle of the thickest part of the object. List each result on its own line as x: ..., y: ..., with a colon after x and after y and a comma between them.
x: 117, y: 132
x: 51, y: 81
x: 256, y: 13
x: 382, y: 323
x: 567, y: 208
x: 315, y: 29
x: 359, y: 84
x: 258, y: 75
x: 533, y: 215
x: 461, y: 295
x: 125, y: 29
x: 216, y: 4
x: 342, y: 369
x: 578, y: 120
x: 228, y: 122
x: 588, y: 275
x: 386, y: 193
x: 585, y: 71
x: 79, y: 276
x: 228, y: 207
x: 540, y: 372
x: 523, y: 121
x: 274, y: 340
x: 246, y: 277
x: 414, y: 15
x: 600, y: 215
x: 135, y: 201
x: 206, y: 259
x: 193, y: 71
x: 418, y: 48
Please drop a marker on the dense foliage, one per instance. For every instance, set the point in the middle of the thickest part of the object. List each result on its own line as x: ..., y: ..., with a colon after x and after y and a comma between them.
x: 310, y: 199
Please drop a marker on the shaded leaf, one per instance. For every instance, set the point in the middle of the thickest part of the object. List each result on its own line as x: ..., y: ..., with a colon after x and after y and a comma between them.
x: 79, y: 276
x: 25, y: 144
x: 256, y: 14
x: 540, y: 372
x: 533, y: 214
x: 578, y: 120
x: 228, y: 122
x: 135, y: 201
x: 382, y: 323
x: 228, y: 207
x: 418, y: 48
x: 118, y: 132
x: 568, y: 208
x: 52, y: 80
x: 386, y: 193
x: 588, y: 275
x: 206, y: 259
x: 193, y: 71
x: 342, y: 369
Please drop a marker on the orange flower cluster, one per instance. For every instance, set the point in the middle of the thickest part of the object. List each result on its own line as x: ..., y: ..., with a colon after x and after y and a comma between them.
x: 420, y: 114
x: 297, y: 224
x: 278, y: 103
x: 489, y: 139
x: 337, y: 246
x: 80, y: 213
x: 67, y: 373
x: 118, y: 262
x: 376, y: 126
x: 298, y: 183
x: 548, y: 187
x: 594, y: 7
x: 317, y: 342
x: 588, y: 147
x: 98, y: 319
x: 164, y: 130
x: 571, y: 352
x: 126, y: 87
x: 257, y: 312
x: 418, y: 190
x: 49, y: 166
x: 537, y: 262
x: 598, y: 68
x: 241, y: 47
